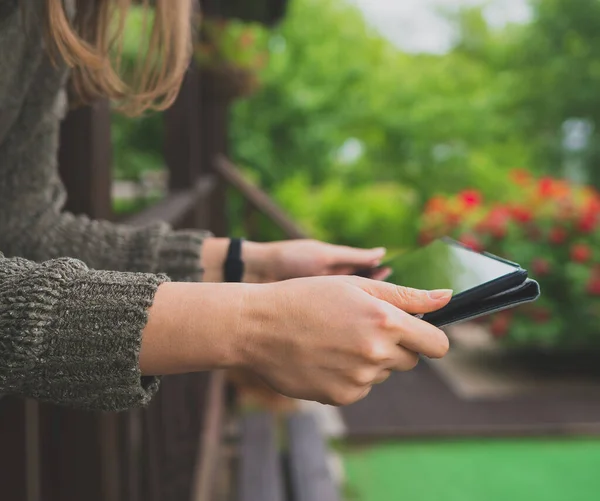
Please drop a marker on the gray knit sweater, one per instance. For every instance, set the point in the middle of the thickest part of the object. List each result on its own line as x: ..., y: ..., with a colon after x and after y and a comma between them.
x: 68, y: 334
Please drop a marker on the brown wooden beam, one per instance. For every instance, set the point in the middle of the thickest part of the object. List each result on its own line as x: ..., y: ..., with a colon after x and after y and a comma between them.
x: 85, y: 160
x: 176, y: 206
x: 210, y: 439
x: 182, y: 135
x: 214, y: 139
x: 257, y: 198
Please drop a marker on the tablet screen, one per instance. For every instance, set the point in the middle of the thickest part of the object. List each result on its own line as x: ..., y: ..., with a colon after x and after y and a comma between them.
x: 442, y: 265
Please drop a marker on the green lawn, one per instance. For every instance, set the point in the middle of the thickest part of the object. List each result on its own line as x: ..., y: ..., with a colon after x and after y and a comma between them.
x: 488, y: 470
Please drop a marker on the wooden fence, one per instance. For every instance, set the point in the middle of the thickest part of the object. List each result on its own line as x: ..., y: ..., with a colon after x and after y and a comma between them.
x: 171, y: 451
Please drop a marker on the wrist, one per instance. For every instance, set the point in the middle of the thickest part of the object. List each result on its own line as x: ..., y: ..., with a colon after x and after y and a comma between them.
x: 256, y: 323
x: 258, y: 261
x: 194, y: 327
x: 213, y: 258
x: 257, y: 258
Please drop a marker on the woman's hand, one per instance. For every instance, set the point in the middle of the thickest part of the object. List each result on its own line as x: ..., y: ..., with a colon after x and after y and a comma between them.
x: 308, y: 258
x: 273, y: 262
x: 327, y: 339
x: 331, y: 339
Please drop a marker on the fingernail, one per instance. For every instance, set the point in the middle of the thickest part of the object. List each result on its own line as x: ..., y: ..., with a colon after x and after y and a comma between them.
x: 440, y: 294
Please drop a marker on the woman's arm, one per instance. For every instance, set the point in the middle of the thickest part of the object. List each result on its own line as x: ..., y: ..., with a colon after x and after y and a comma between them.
x: 327, y: 339
x: 84, y: 338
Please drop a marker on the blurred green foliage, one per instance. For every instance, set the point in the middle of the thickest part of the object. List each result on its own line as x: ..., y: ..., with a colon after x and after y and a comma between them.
x: 137, y: 142
x: 232, y: 43
x: 352, y: 136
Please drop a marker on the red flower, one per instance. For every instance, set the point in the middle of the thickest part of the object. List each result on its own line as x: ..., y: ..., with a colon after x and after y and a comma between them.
x: 593, y: 203
x: 470, y: 198
x: 498, y: 227
x: 496, y: 222
x: 581, y: 253
x: 587, y: 223
x: 557, y: 235
x: 593, y: 286
x: 546, y: 187
x: 540, y: 266
x: 500, y: 325
x: 472, y: 242
x: 521, y: 214
x: 553, y: 188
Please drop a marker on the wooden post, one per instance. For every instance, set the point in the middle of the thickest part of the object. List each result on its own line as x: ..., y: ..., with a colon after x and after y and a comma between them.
x: 182, y: 146
x: 80, y: 455
x: 19, y: 450
x: 132, y: 443
x: 214, y: 138
x: 85, y: 160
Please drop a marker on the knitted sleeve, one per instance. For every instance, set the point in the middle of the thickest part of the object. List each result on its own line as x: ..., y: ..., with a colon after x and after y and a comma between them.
x: 72, y: 336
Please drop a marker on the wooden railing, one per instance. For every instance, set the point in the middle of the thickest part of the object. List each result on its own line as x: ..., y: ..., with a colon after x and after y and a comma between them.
x: 256, y: 199
x: 170, y: 451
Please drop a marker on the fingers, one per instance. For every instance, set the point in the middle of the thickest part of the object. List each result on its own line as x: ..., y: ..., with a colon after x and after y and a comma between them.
x: 381, y: 274
x: 342, y: 256
x: 405, y: 298
x: 415, y: 335
x: 406, y: 360
x: 383, y: 376
x: 385, y: 359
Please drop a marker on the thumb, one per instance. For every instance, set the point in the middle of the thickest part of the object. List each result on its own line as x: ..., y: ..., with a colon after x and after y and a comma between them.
x: 405, y: 298
x: 340, y: 255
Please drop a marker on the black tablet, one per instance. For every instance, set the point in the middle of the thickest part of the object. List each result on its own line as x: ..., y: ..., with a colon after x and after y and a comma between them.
x: 482, y: 283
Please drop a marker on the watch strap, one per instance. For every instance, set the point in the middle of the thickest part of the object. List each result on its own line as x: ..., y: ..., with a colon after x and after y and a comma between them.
x: 234, y: 266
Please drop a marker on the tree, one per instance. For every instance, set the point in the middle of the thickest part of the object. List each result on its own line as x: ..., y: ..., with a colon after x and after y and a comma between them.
x: 556, y: 63
x: 412, y: 118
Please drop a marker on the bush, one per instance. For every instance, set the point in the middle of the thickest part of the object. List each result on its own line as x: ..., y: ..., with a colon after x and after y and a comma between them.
x: 372, y: 215
x: 550, y: 227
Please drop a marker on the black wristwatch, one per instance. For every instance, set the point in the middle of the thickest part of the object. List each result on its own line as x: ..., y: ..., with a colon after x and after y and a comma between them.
x: 233, y: 269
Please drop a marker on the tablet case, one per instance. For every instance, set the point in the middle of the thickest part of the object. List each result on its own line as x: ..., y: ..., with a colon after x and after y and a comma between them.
x: 527, y: 292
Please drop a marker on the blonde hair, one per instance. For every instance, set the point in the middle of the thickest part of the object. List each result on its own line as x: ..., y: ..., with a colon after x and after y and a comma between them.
x: 91, y: 42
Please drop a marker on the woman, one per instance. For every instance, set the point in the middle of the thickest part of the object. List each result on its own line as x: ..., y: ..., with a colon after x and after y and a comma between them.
x: 95, y: 335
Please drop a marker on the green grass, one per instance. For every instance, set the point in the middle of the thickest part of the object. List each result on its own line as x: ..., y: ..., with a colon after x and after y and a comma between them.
x: 507, y: 470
